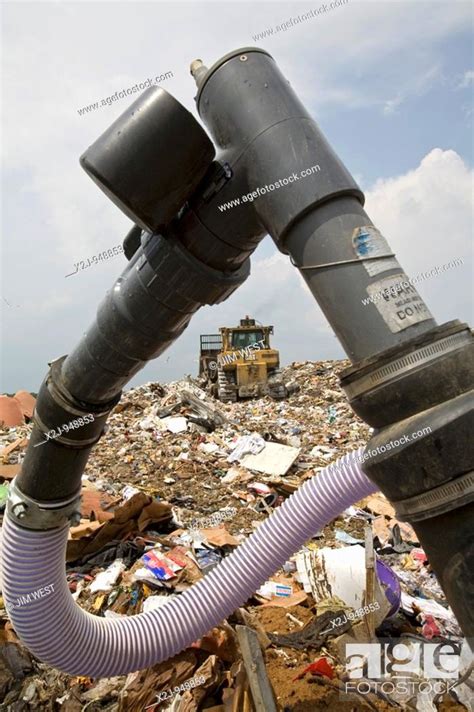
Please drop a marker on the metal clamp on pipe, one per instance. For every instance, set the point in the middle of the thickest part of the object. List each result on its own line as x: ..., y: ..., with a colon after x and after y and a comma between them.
x: 399, y: 382
x: 40, y: 516
x: 65, y: 428
x: 449, y: 495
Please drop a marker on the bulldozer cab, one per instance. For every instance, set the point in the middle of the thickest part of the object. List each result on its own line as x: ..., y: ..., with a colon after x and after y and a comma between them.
x: 245, y: 335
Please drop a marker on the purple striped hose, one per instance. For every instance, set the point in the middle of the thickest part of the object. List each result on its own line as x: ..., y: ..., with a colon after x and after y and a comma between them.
x: 57, y: 631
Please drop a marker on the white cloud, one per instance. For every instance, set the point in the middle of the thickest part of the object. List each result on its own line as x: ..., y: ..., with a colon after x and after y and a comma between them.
x: 417, y: 85
x: 467, y: 80
x: 426, y: 215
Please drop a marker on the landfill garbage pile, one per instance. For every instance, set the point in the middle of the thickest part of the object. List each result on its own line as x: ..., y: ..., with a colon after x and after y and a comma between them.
x: 179, y: 480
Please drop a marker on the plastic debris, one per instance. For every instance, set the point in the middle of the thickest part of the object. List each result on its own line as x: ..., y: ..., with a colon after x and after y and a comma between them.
x: 347, y: 538
x: 273, y: 588
x: 248, y: 444
x: 153, y: 602
x: 340, y: 572
x: 176, y: 424
x: 319, y: 667
x: 106, y: 579
x: 161, y: 566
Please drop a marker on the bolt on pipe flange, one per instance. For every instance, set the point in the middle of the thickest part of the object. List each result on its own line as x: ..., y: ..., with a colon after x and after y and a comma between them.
x: 31, y: 514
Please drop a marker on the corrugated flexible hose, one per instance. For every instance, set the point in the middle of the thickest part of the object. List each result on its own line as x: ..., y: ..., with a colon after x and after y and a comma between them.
x: 57, y: 631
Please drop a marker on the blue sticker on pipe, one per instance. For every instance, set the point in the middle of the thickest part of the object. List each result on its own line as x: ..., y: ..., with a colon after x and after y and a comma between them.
x: 369, y: 243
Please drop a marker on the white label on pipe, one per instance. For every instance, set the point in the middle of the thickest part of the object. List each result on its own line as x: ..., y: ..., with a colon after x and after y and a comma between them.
x: 398, y: 302
x: 375, y: 267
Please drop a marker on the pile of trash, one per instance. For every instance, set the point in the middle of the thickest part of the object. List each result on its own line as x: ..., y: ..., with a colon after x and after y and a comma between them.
x: 176, y: 483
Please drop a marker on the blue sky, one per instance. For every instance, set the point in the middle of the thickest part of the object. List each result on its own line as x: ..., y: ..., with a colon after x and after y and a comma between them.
x: 390, y: 84
x: 433, y: 110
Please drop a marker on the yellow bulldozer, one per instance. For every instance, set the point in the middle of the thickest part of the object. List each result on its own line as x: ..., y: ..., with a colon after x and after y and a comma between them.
x: 240, y: 363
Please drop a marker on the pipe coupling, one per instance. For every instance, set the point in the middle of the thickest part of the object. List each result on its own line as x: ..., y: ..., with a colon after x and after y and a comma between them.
x: 436, y: 501
x: 412, y: 377
x: 32, y: 514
